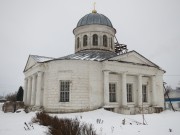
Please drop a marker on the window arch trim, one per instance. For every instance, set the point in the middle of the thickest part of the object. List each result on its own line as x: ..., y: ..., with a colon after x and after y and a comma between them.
x: 85, y: 40
x: 111, y: 43
x: 78, y: 43
x: 95, y: 39
x: 104, y: 40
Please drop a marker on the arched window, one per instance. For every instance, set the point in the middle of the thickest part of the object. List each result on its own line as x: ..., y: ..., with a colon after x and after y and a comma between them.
x: 78, y: 44
x: 104, y: 40
x: 111, y: 43
x: 95, y: 39
x: 85, y: 40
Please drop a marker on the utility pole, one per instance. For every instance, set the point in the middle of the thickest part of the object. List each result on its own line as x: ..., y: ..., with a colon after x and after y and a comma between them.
x: 144, y: 121
x: 166, y: 94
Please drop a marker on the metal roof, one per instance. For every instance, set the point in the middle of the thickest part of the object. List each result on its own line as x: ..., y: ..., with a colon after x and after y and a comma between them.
x: 41, y: 58
x: 94, y: 18
x: 93, y: 55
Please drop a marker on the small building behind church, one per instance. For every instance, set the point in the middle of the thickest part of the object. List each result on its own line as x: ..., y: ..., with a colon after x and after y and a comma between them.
x: 173, y: 99
x: 94, y: 76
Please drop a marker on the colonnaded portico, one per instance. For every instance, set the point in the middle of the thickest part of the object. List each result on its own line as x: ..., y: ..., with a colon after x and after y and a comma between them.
x: 33, y: 90
x: 143, y: 92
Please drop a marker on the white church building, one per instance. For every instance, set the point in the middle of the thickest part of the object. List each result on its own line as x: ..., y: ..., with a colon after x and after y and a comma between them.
x: 94, y: 76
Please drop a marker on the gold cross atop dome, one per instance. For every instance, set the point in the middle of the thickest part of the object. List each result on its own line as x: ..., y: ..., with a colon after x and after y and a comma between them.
x: 94, y: 10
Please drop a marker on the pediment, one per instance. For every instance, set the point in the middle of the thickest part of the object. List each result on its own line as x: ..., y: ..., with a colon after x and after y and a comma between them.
x: 30, y: 63
x: 33, y: 59
x: 133, y: 57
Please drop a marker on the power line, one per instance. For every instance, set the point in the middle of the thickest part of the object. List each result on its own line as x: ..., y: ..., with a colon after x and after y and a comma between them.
x: 171, y: 75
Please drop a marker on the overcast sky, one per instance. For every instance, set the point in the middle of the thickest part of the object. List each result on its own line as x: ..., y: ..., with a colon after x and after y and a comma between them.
x: 44, y: 27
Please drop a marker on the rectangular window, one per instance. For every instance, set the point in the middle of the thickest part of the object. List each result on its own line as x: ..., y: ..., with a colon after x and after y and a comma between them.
x: 144, y: 93
x: 112, y: 92
x: 64, y: 91
x: 129, y: 93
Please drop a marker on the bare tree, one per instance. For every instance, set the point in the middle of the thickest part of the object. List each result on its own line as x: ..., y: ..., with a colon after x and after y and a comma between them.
x: 11, y: 96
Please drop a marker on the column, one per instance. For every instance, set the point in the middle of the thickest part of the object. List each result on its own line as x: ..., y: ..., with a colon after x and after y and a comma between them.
x: 90, y: 40
x: 139, y: 90
x: 33, y: 94
x: 106, y: 87
x: 100, y: 40
x: 124, y: 90
x: 109, y: 42
x: 153, y: 87
x: 39, y: 86
x: 25, y: 91
x: 29, y: 91
x: 80, y: 42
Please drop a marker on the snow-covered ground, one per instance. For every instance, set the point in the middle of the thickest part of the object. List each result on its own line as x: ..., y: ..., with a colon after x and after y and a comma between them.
x: 13, y: 124
x: 105, y: 123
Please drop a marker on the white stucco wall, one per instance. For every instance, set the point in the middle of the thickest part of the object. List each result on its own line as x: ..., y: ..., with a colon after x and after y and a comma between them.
x: 87, y: 84
x: 84, y: 76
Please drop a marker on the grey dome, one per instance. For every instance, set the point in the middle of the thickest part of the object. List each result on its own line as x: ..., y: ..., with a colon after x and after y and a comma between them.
x: 94, y: 18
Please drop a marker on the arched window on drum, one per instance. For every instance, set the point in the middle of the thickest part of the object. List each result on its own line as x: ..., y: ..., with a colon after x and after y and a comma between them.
x: 78, y: 43
x: 104, y: 40
x: 95, y: 40
x: 85, y: 40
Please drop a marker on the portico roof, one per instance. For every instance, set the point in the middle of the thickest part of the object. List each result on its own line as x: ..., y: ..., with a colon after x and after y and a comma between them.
x: 131, y: 57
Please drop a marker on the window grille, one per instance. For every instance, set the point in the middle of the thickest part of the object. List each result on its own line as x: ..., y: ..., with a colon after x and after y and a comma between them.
x: 129, y: 93
x: 112, y: 92
x: 144, y: 93
x: 64, y: 91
